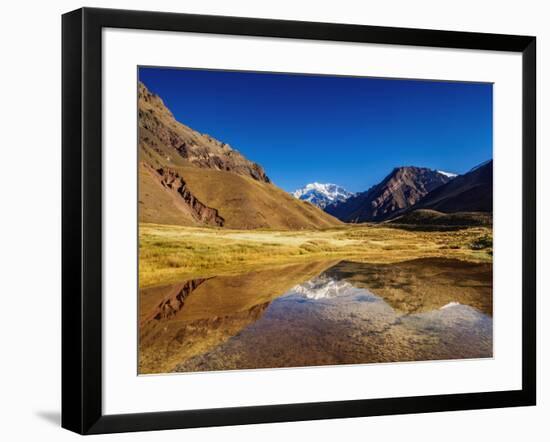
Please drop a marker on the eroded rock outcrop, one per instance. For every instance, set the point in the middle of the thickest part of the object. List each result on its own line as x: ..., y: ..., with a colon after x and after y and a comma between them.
x: 159, y: 127
x: 171, y: 180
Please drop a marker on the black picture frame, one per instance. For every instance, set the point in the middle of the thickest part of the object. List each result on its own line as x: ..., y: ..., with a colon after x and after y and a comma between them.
x: 82, y: 220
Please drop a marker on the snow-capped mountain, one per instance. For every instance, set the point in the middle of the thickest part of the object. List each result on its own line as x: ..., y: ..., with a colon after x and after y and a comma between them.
x: 322, y: 194
x: 447, y: 174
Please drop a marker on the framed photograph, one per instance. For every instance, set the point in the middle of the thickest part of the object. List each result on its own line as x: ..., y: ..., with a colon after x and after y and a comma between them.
x: 269, y: 221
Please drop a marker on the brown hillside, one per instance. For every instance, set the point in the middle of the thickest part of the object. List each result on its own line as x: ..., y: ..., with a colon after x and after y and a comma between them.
x: 174, y: 142
x: 188, y: 178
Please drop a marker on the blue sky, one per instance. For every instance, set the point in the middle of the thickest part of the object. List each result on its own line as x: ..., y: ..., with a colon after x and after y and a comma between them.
x: 345, y: 130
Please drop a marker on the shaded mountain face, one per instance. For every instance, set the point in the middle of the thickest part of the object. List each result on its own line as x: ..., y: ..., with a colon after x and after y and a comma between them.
x: 401, y: 189
x: 191, y: 179
x: 321, y: 195
x: 471, y: 192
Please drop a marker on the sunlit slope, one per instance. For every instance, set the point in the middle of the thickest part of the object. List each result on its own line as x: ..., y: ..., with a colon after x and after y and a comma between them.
x: 157, y: 205
x: 245, y: 203
x: 242, y: 202
x: 187, y: 178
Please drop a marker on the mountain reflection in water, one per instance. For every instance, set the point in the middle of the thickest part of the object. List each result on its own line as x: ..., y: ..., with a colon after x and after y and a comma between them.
x: 320, y: 313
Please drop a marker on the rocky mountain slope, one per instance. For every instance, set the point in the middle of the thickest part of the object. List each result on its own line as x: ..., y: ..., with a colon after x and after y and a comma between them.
x: 401, y: 189
x: 171, y: 142
x: 471, y: 192
x: 189, y: 178
x: 321, y: 195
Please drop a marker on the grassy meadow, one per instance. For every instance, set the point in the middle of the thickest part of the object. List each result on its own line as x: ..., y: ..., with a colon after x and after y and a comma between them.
x: 172, y: 253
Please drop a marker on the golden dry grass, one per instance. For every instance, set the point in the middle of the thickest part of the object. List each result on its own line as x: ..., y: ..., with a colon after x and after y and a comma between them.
x: 171, y: 253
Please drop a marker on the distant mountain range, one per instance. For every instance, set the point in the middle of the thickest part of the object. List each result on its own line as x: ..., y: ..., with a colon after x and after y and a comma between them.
x: 190, y: 178
x: 401, y: 189
x: 409, y: 188
x: 322, y: 195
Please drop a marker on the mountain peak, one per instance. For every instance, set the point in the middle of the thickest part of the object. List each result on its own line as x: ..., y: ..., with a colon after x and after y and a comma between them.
x: 165, y: 139
x: 471, y: 192
x: 189, y: 178
x: 447, y: 174
x: 403, y: 187
x: 322, y: 194
x: 480, y: 165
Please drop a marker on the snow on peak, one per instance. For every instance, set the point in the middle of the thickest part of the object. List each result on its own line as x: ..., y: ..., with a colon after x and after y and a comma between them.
x: 447, y: 174
x: 322, y: 194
